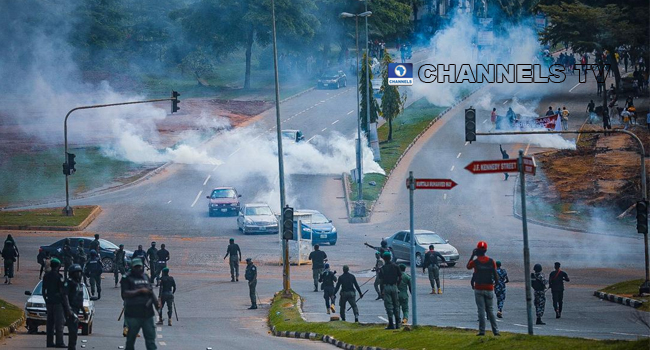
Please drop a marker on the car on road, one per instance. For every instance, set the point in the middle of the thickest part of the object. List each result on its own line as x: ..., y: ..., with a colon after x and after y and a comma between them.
x: 106, y: 250
x: 401, y: 244
x: 318, y: 227
x: 223, y: 200
x: 257, y: 218
x: 333, y: 79
x: 294, y: 136
x: 36, y: 313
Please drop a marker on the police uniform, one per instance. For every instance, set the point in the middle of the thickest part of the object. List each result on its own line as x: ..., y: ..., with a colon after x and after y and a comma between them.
x: 167, y: 290
x: 152, y: 255
x: 327, y: 278
x: 378, y: 264
x: 432, y: 262
x: 93, y: 270
x: 539, y: 286
x: 119, y: 265
x: 403, y: 294
x: 68, y: 258
x: 317, y: 258
x: 235, y: 257
x: 251, y: 277
x: 348, y: 283
x: 73, y: 302
x: 163, y: 256
x: 53, y: 290
x: 390, y: 278
x: 139, y: 309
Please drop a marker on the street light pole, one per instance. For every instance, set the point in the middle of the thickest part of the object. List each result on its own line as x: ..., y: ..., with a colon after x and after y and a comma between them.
x: 286, y: 280
x: 367, y: 76
x: 359, y: 150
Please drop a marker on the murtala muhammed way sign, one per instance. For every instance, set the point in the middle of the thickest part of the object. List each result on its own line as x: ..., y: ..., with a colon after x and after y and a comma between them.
x: 501, y: 166
x: 432, y: 184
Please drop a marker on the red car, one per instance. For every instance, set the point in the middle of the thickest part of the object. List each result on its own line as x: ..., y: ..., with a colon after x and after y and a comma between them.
x: 223, y: 200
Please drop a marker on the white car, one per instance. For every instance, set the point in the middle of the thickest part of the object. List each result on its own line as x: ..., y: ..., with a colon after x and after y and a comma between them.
x: 401, y: 244
x: 258, y: 218
x: 36, y: 313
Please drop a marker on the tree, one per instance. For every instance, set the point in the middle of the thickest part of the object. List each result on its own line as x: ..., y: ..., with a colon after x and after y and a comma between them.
x: 392, y: 103
x: 374, y: 106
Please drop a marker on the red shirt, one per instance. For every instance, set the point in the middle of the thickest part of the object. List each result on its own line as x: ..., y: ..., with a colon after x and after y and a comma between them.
x: 472, y: 265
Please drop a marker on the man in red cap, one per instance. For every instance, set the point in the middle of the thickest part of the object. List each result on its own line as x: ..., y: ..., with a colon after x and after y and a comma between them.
x: 485, y: 275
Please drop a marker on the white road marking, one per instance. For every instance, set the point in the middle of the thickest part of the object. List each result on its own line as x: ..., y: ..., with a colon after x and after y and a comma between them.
x: 567, y: 330
x: 458, y: 156
x: 159, y: 329
x: 383, y: 319
x: 323, y: 129
x: 527, y: 146
x: 452, y: 168
x: 485, y: 121
x: 169, y: 202
x: 233, y: 153
x: 466, y: 143
x: 336, y: 121
x: 196, y: 199
x: 311, y: 138
x: 444, y: 196
x: 159, y: 336
x: 574, y: 87
x: 206, y: 180
x: 162, y: 343
x: 350, y: 112
x: 215, y: 168
x: 643, y: 335
x: 322, y: 101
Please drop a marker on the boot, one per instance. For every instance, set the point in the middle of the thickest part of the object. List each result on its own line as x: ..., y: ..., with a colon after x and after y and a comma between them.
x: 253, y: 307
x: 328, y: 310
x: 433, y: 291
x: 378, y: 297
x: 390, y: 323
x: 439, y: 291
x: 169, y: 321
x: 356, y: 319
x: 557, y: 314
x: 332, y: 307
x: 397, y: 322
x: 99, y: 295
x: 232, y: 279
x: 160, y: 320
x: 539, y: 321
x: 499, y: 314
x: 404, y: 320
x: 125, y: 331
x: 9, y: 281
x: 5, y: 279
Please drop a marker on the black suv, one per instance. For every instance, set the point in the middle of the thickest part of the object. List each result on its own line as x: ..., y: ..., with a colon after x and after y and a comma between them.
x: 106, y: 250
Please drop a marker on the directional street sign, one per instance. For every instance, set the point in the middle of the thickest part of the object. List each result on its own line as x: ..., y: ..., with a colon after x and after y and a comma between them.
x: 433, y: 184
x: 501, y: 166
x: 530, y: 167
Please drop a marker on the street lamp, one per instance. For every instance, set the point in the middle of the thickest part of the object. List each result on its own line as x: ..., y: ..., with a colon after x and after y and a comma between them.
x: 359, y: 207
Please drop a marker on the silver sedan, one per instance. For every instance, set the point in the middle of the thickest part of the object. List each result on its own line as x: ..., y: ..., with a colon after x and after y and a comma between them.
x: 401, y: 244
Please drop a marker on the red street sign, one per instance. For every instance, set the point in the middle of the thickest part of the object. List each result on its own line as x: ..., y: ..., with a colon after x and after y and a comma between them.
x: 433, y: 184
x: 530, y: 167
x: 492, y: 166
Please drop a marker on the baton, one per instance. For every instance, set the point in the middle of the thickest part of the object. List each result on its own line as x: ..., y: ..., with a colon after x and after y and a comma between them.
x: 121, y: 313
x: 18, y: 264
x: 443, y: 281
x: 175, y: 313
x: 370, y: 279
x: 362, y: 294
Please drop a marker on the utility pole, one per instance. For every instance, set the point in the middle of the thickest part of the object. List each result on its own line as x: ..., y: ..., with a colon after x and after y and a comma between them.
x: 411, y: 182
x: 524, y: 223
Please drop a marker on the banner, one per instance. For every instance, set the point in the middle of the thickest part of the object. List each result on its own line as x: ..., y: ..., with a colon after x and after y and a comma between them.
x: 545, y: 122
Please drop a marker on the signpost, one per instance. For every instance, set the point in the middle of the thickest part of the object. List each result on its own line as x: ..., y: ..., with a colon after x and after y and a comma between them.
x: 421, y: 184
x: 523, y: 165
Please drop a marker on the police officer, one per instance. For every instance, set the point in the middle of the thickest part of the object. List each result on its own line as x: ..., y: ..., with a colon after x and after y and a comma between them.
x: 404, y: 289
x: 53, y: 290
x: 161, y: 263
x: 235, y: 258
x: 251, y: 277
x: 73, y: 303
x: 348, y: 283
x: 432, y: 261
x: 80, y: 257
x: 327, y: 278
x: 119, y: 264
x: 140, y: 254
x: 94, y: 245
x: 379, y: 262
x: 139, y: 300
x: 391, y: 276
x: 68, y: 257
x: 93, y: 271
x: 166, y: 293
x: 317, y: 258
x: 152, y: 255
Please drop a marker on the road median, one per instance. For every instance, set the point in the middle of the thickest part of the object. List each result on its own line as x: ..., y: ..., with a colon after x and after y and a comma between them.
x: 49, y: 219
x: 285, y: 320
x: 626, y: 293
x: 11, y: 317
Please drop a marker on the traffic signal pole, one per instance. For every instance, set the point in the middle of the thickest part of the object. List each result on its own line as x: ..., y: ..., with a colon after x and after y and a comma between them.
x: 524, y: 223
x: 68, y: 211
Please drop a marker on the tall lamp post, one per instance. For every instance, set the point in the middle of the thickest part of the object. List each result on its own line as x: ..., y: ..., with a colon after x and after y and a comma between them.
x: 367, y: 74
x: 359, y: 207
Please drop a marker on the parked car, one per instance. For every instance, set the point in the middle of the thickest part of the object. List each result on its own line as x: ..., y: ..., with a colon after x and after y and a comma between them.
x: 333, y: 79
x: 106, y: 250
x: 223, y: 200
x: 319, y: 229
x: 294, y: 136
x: 36, y: 313
x: 401, y: 244
x: 257, y: 218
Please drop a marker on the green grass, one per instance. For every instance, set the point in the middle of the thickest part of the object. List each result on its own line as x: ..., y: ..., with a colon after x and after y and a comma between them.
x: 285, y: 317
x: 405, y: 128
x: 45, y: 217
x: 37, y: 175
x: 9, y: 313
x: 629, y: 289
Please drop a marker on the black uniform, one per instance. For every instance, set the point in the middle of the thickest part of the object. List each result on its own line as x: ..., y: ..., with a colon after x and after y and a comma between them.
x: 391, y: 276
x: 9, y: 254
x: 140, y: 254
x: 235, y: 257
x: 162, y: 256
x: 251, y: 277
x: 73, y: 301
x: 328, y: 278
x: 556, y: 283
x: 139, y: 310
x: 93, y: 270
x: 317, y: 258
x: 167, y: 290
x: 348, y: 283
x: 94, y: 245
x: 67, y: 257
x: 152, y: 254
x: 53, y: 290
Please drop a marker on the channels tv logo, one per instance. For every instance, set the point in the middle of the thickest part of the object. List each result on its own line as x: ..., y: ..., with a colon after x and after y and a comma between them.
x: 400, y: 74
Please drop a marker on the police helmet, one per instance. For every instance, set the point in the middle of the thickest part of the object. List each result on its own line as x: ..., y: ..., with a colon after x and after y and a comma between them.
x: 537, y: 268
x: 74, y: 268
x: 93, y: 253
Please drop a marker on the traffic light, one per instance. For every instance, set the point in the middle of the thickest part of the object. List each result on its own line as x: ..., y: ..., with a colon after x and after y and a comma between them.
x: 470, y: 124
x: 71, y: 163
x: 175, y: 101
x: 287, y: 223
x: 65, y: 169
x: 642, y: 217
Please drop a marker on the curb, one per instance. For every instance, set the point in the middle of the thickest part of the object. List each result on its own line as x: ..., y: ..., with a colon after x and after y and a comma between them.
x: 5, y: 331
x: 87, y: 221
x: 618, y: 299
x: 346, y: 191
x: 324, y: 338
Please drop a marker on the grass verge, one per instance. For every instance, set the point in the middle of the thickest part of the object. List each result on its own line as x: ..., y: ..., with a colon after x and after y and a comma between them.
x: 629, y: 289
x: 9, y: 313
x: 284, y: 316
x: 45, y: 217
x: 405, y: 128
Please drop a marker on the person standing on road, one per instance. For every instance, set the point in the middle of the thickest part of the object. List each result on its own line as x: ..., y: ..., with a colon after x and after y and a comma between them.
x: 565, y: 118
x: 152, y: 254
x: 166, y: 293
x: 539, y: 286
x: 432, y: 262
x: 485, y: 276
x: 68, y: 257
x: 379, y: 262
x: 139, y: 300
x: 53, y: 290
x: 235, y: 258
x: 93, y: 271
x: 391, y: 276
x: 504, y: 155
x: 327, y: 278
x: 404, y: 288
x: 348, y: 283
x: 11, y: 239
x: 140, y: 254
x: 95, y: 245
x: 251, y: 277
x: 317, y: 258
x: 73, y: 303
x: 556, y: 281
x: 119, y: 264
x: 163, y: 257
x: 43, y: 259
x: 9, y: 256
x: 500, y: 288
x: 80, y: 256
